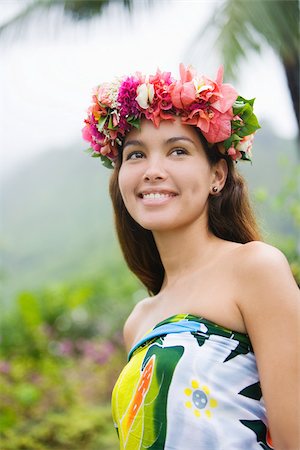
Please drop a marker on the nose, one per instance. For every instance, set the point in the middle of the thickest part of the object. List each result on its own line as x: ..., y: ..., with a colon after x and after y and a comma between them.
x: 154, y: 170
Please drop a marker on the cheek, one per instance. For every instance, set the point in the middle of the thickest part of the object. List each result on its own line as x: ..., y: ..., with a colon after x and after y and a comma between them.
x: 126, y: 185
x: 198, y: 186
x: 122, y: 183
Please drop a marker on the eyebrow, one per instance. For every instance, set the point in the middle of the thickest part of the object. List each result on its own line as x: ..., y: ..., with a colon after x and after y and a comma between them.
x: 168, y: 141
x: 179, y: 138
x: 133, y: 142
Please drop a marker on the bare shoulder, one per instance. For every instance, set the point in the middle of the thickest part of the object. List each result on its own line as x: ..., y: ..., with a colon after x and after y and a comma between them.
x: 269, y: 301
x: 258, y: 249
x: 132, y: 323
x: 266, y: 281
x: 260, y: 261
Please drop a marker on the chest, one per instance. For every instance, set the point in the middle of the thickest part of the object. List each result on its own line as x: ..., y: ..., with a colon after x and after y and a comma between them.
x: 214, y: 299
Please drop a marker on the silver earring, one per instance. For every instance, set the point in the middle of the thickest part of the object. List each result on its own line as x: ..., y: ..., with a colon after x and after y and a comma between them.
x: 214, y: 189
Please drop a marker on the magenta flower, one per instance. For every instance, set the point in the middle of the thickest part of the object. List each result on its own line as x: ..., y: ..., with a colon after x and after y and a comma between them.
x: 127, y: 97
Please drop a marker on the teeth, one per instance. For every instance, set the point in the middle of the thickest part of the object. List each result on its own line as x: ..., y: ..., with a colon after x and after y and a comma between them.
x: 156, y: 195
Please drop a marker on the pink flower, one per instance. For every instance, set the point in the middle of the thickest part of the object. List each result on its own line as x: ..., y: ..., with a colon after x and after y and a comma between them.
x: 109, y: 150
x: 107, y: 94
x: 215, y: 126
x: 219, y: 127
x: 161, y: 101
x: 103, y: 94
x: 86, y: 133
x: 183, y: 91
x: 209, y: 102
x: 234, y: 153
x: 227, y: 94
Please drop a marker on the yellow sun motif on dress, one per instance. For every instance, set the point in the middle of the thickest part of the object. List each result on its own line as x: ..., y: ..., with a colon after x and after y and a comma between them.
x: 200, y: 400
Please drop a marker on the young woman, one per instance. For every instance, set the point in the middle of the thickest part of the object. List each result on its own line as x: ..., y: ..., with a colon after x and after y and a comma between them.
x: 213, y: 350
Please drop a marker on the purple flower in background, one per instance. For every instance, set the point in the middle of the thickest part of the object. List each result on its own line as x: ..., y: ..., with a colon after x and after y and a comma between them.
x: 4, y: 367
x: 105, y: 351
x: 66, y: 347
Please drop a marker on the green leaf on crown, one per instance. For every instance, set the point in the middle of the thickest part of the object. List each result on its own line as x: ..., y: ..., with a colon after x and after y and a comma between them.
x: 89, y: 150
x: 234, y: 138
x: 110, y: 125
x: 246, y: 157
x: 250, y: 126
x: 242, y: 103
x: 101, y: 123
x: 134, y: 121
x: 106, y: 162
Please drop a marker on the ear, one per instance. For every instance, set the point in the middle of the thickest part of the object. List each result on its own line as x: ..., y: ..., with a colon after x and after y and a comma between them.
x: 219, y: 174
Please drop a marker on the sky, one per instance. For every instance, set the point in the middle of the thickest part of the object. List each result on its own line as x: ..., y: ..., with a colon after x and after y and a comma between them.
x: 48, y: 69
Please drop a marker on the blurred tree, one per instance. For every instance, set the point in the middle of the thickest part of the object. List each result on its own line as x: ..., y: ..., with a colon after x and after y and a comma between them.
x: 78, y: 9
x: 244, y: 25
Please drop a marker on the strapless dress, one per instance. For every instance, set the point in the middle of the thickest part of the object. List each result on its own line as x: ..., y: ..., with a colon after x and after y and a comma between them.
x: 190, y: 384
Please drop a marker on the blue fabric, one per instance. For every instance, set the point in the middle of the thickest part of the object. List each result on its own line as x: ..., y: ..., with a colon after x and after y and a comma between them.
x: 173, y: 327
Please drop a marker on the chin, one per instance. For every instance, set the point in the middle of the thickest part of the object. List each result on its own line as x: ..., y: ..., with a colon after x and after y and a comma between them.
x: 159, y: 226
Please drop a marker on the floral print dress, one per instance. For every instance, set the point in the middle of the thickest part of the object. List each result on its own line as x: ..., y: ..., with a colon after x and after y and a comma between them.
x: 190, y: 384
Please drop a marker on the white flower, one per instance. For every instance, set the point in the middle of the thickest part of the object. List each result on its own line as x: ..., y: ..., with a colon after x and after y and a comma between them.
x: 245, y: 145
x: 145, y: 94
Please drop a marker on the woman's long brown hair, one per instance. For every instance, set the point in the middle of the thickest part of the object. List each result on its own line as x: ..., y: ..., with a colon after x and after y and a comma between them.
x: 230, y: 217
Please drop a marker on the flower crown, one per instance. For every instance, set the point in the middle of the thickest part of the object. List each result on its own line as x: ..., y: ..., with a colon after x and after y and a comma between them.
x: 224, y: 118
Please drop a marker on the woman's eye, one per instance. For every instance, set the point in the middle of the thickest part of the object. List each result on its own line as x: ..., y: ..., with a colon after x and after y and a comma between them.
x: 134, y: 155
x: 179, y: 151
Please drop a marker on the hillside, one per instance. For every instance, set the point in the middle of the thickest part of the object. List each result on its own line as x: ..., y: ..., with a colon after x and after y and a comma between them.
x: 57, y: 219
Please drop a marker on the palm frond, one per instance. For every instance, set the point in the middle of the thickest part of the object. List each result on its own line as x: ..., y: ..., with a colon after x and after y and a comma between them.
x: 244, y: 25
x: 24, y: 14
x: 78, y: 9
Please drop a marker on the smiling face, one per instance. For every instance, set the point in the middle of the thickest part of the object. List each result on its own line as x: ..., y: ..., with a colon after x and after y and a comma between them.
x: 165, y: 177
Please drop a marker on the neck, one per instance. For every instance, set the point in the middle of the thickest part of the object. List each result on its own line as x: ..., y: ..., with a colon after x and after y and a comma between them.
x: 183, y: 251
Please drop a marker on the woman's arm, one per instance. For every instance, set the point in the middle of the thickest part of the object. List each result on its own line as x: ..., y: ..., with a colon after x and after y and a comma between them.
x: 270, y: 305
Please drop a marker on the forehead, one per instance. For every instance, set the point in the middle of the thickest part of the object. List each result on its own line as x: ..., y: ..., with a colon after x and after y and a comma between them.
x: 166, y: 130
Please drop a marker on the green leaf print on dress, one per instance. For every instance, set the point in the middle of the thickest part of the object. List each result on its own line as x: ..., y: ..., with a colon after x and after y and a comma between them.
x: 243, y: 347
x: 141, y: 398
x: 262, y: 433
x: 252, y: 391
x: 155, y: 405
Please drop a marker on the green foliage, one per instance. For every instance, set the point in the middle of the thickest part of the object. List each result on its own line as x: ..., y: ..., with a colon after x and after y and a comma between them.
x: 78, y: 9
x: 242, y: 24
x: 67, y: 311
x: 83, y: 9
x: 61, y: 353
x: 57, y: 403
x: 89, y: 428
x: 285, y: 203
x: 245, y: 125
